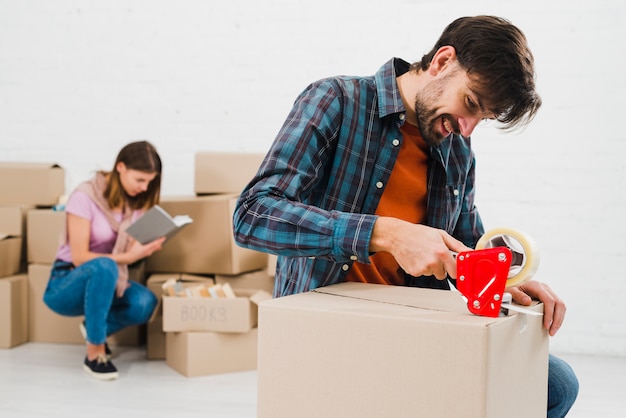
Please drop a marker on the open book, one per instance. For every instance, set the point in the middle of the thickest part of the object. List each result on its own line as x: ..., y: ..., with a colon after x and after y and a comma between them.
x: 156, y: 223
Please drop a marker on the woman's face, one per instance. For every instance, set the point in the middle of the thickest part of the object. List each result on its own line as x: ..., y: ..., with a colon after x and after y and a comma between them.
x: 134, y: 182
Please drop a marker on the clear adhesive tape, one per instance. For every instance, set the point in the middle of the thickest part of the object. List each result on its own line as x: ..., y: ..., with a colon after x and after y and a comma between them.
x: 525, y: 254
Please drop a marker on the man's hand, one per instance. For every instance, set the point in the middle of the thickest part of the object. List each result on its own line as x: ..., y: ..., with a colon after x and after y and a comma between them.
x: 420, y: 250
x: 553, y: 307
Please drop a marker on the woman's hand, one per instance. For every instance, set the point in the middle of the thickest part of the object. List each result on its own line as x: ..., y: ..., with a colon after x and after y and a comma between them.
x: 138, y: 251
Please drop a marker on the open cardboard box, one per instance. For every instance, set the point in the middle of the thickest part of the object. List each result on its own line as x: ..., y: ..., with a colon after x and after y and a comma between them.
x: 365, y: 350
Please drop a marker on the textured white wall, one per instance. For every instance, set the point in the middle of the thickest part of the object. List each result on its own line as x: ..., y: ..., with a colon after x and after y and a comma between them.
x: 78, y: 79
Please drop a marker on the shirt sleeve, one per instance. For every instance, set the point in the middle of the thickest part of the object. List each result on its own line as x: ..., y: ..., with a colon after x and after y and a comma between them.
x: 80, y: 204
x: 287, y: 209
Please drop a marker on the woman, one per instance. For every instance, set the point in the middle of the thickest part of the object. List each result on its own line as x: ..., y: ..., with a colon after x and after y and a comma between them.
x: 90, y: 274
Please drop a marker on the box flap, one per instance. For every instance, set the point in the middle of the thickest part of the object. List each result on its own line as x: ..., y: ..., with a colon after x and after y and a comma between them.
x: 29, y: 165
x: 259, y: 297
x: 433, y: 299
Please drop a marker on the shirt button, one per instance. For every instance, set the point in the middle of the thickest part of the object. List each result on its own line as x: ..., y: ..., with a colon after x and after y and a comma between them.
x: 345, y: 267
x: 455, y: 192
x: 401, y: 116
x: 379, y: 184
x: 354, y: 257
x: 395, y: 142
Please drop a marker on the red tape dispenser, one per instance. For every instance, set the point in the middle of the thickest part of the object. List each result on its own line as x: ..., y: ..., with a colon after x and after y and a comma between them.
x: 481, y: 278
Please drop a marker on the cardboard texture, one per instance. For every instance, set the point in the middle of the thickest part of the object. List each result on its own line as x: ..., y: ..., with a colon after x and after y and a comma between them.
x: 13, y: 311
x: 272, y: 259
x: 46, y: 326
x: 155, y: 338
x: 13, y: 224
x: 253, y: 280
x: 224, y: 172
x: 31, y: 183
x: 10, y: 255
x: 205, y: 353
x: 13, y: 220
x: 387, y: 351
x: 206, y: 246
x: 238, y: 314
x: 43, y: 228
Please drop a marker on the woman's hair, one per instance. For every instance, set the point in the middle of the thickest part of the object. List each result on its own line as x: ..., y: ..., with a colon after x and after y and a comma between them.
x: 140, y: 156
x: 497, y: 59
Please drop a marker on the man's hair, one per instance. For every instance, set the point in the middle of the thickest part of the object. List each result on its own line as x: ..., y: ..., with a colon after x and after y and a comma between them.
x: 497, y: 59
x: 140, y: 156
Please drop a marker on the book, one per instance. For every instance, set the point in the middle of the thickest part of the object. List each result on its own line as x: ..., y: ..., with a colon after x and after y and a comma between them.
x: 156, y: 223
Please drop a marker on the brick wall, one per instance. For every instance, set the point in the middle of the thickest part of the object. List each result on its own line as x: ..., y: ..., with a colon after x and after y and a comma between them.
x: 78, y: 79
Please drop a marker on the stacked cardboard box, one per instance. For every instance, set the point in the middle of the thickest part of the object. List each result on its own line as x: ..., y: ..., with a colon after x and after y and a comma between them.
x: 31, y: 185
x: 194, y: 326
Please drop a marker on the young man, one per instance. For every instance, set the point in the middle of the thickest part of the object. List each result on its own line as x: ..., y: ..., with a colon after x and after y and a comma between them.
x: 371, y: 179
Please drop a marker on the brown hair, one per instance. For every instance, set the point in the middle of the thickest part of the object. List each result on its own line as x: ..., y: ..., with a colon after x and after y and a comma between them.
x: 140, y: 156
x: 497, y: 59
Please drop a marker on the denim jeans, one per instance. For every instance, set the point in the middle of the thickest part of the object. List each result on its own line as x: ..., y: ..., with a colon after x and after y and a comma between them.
x: 562, y: 387
x: 89, y: 290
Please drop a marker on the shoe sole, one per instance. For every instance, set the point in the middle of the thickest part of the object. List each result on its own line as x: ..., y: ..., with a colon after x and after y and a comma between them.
x: 100, y: 376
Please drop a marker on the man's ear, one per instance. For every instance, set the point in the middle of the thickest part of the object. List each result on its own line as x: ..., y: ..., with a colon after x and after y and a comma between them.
x: 442, y: 59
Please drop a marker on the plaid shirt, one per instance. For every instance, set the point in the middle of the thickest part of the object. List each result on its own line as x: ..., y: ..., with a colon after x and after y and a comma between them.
x: 312, y: 201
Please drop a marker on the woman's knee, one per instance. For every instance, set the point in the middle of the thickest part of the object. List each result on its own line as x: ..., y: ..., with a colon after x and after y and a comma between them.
x: 102, y: 267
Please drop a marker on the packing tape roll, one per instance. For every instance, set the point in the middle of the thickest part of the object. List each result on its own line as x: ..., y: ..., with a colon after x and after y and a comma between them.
x: 525, y: 254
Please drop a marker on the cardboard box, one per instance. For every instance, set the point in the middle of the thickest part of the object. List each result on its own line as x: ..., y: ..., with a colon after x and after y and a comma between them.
x: 10, y: 255
x: 207, y: 246
x: 46, y: 326
x: 224, y: 172
x: 44, y: 227
x: 13, y: 220
x: 31, y: 183
x: 253, y: 280
x: 238, y: 314
x: 13, y: 311
x: 13, y: 224
x: 388, y: 351
x: 204, y: 353
x: 272, y: 259
x: 155, y: 338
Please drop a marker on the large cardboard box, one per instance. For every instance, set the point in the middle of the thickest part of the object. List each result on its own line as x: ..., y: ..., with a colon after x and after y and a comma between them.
x: 13, y: 224
x: 44, y: 227
x: 206, y: 246
x: 224, y: 172
x: 155, y: 338
x: 238, y: 314
x: 10, y: 255
x: 13, y: 311
x: 31, y: 183
x: 258, y: 279
x: 205, y: 353
x: 368, y: 350
x: 46, y: 326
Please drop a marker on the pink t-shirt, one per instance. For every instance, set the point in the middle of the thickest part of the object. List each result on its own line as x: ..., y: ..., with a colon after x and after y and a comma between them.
x: 102, y: 237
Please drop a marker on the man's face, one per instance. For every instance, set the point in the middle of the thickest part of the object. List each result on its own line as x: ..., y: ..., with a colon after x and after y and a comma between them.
x: 448, y: 105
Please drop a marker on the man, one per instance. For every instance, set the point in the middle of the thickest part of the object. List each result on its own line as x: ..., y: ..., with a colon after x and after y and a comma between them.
x: 371, y: 179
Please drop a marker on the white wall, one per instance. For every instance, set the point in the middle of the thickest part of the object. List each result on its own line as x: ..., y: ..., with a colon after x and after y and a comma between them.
x: 78, y: 79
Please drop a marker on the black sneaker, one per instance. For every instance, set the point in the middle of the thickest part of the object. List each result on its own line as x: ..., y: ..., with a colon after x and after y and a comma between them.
x: 100, y: 368
x: 83, y: 331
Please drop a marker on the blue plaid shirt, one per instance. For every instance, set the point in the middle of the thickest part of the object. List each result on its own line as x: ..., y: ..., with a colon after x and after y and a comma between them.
x: 312, y: 201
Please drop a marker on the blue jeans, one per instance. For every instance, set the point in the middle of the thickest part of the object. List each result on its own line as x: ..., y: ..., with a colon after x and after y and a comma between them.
x: 562, y: 387
x: 89, y: 290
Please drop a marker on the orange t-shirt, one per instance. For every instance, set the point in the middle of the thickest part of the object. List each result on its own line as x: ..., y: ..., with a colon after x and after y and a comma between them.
x: 403, y: 198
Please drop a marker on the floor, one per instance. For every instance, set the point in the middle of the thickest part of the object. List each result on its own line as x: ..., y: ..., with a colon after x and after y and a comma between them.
x: 47, y: 380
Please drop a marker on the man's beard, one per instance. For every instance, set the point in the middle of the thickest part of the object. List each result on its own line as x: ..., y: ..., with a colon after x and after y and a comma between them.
x: 427, y: 117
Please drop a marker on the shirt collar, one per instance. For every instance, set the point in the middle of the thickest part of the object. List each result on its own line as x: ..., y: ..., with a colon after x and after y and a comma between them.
x: 389, y: 100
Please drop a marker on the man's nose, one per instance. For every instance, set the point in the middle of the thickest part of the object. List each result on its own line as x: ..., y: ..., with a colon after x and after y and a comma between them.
x: 467, y: 125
